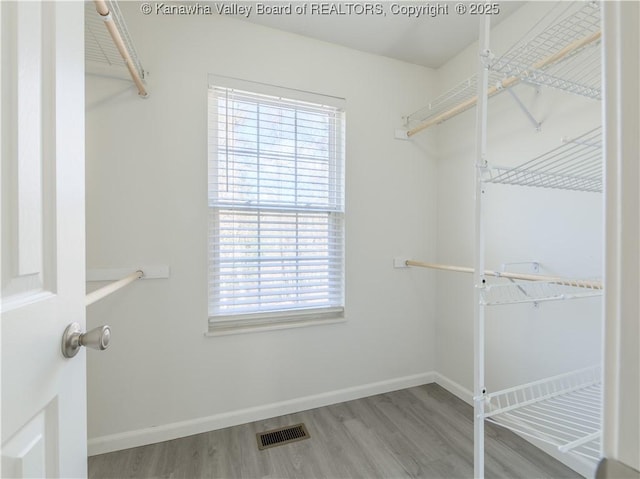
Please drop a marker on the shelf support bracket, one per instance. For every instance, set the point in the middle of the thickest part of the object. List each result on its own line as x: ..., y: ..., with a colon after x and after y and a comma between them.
x: 536, y: 124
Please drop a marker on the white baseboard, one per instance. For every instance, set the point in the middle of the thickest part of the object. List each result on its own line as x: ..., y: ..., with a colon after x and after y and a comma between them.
x: 454, y: 388
x: 166, y: 432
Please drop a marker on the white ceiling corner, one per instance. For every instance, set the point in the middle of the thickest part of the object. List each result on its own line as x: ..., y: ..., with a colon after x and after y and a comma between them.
x: 425, y: 40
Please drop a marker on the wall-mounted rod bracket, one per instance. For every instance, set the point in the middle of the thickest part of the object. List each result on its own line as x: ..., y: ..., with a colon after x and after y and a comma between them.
x: 111, y: 288
x: 533, y: 266
x: 400, y: 262
x: 402, y: 134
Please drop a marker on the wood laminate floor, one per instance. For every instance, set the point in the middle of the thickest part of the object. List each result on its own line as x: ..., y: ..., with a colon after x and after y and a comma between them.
x: 421, y: 432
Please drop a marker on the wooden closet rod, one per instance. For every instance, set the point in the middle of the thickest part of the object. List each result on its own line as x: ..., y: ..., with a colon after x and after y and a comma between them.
x: 507, y: 82
x: 111, y: 288
x: 103, y: 10
x: 578, y: 283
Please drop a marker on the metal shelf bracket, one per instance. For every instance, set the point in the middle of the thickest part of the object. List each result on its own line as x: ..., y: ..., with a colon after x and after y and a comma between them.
x: 536, y: 124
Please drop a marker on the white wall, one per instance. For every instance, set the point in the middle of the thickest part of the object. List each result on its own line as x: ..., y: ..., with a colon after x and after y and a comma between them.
x: 561, y: 230
x: 146, y: 204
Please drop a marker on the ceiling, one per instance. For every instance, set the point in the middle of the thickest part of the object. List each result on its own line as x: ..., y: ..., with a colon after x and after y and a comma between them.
x: 424, y: 40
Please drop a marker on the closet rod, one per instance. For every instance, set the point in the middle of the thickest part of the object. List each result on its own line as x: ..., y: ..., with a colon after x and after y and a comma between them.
x: 103, y: 10
x: 508, y: 82
x: 98, y: 294
x: 578, y: 283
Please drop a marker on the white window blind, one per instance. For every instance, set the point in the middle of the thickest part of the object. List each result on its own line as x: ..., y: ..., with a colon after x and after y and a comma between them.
x: 276, y: 208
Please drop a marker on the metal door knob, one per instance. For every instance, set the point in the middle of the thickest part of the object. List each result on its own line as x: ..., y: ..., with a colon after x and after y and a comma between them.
x: 73, y: 338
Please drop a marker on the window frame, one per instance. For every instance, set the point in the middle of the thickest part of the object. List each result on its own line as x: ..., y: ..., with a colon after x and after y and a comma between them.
x: 221, y: 324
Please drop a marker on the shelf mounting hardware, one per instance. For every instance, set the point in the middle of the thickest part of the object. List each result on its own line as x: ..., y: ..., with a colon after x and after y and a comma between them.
x: 536, y: 124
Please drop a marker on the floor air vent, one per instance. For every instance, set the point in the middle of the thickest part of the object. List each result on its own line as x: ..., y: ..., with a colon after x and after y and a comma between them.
x: 283, y: 435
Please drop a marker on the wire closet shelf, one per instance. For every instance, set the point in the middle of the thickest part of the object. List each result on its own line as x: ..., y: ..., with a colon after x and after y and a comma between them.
x: 564, y: 55
x: 561, y: 51
x: 514, y: 288
x: 575, y: 165
x: 99, y: 46
x: 515, y: 292
x: 564, y: 411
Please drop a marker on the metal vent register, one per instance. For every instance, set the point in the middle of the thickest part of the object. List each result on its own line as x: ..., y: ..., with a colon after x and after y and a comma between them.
x: 283, y: 435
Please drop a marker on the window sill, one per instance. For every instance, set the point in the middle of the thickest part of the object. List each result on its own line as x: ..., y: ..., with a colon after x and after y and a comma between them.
x: 299, y: 322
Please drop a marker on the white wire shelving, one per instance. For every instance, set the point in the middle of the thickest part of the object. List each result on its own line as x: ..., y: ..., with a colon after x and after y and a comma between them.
x: 100, y: 49
x: 575, y: 165
x: 452, y: 102
x: 574, y: 38
x: 513, y: 287
x: 561, y: 51
x: 563, y: 410
x: 515, y: 292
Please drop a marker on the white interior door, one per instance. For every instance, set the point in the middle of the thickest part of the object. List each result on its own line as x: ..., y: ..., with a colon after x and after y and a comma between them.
x: 43, y: 266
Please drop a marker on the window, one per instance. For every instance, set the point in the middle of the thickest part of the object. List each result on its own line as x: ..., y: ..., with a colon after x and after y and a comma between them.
x: 276, y: 209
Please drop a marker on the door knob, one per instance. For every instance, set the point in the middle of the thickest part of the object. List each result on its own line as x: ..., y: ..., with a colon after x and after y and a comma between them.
x: 73, y: 338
